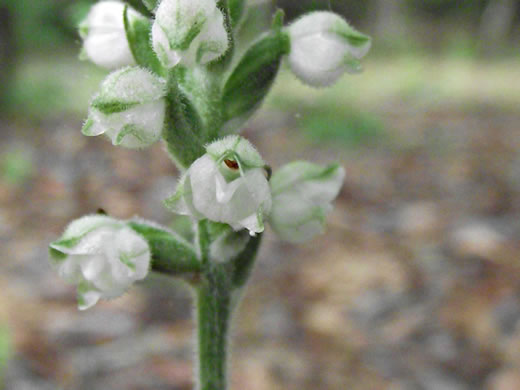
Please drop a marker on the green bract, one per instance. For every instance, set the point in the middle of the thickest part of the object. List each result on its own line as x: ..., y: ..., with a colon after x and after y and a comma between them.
x: 253, y: 77
x: 138, y: 36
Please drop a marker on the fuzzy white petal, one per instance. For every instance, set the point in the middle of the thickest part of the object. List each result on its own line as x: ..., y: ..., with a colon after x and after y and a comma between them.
x: 140, y: 121
x: 168, y: 57
x: 87, y: 223
x: 70, y: 270
x: 132, y: 85
x: 225, y: 191
x: 318, y: 59
x: 105, y: 43
x: 324, y: 47
x: 302, y: 197
x: 188, y: 31
x: 92, y: 266
x: 104, y: 260
x: 239, y: 197
x: 229, y: 202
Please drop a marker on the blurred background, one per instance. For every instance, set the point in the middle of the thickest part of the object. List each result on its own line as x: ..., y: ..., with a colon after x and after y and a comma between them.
x: 416, y: 285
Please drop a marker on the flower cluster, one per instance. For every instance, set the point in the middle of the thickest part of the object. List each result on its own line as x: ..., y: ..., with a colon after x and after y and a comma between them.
x: 229, y: 184
x: 174, y: 78
x: 320, y: 47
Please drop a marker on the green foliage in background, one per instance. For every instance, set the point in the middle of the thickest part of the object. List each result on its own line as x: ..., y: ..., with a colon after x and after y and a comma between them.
x: 443, y: 8
x: 4, y: 353
x: 49, y: 24
x: 52, y: 23
x: 340, y: 125
x: 45, y: 86
x: 38, y: 24
x: 40, y: 74
x: 16, y: 168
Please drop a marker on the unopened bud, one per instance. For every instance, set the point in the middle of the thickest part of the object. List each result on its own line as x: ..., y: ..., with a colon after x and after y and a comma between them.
x: 323, y: 47
x: 104, y: 36
x: 188, y: 31
x: 102, y: 256
x: 129, y: 109
x: 302, y: 197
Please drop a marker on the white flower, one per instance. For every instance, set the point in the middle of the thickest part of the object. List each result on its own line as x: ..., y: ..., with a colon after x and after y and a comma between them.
x: 129, y: 109
x: 188, y: 31
x: 103, y: 32
x: 228, y: 185
x: 302, y: 195
x: 102, y: 256
x: 323, y: 47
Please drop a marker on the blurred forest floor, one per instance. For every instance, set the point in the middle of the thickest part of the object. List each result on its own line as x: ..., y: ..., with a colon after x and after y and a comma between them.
x: 416, y: 285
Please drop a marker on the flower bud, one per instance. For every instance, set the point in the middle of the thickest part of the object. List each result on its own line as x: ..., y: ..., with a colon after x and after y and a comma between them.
x: 227, y: 184
x: 104, y: 36
x: 323, y: 47
x: 188, y: 31
x: 129, y: 109
x: 302, y: 195
x: 102, y: 256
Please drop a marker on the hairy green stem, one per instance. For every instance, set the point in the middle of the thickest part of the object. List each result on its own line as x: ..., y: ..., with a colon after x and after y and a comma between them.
x: 218, y: 285
x: 213, y: 319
